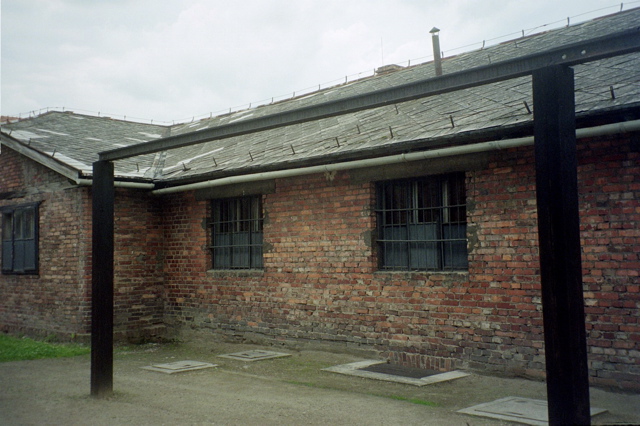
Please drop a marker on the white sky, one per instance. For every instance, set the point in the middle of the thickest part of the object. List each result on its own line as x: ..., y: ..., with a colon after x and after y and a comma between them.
x: 172, y: 60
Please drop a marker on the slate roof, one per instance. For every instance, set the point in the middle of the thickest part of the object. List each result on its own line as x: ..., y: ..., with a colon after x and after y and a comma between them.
x: 413, y: 125
x: 76, y: 140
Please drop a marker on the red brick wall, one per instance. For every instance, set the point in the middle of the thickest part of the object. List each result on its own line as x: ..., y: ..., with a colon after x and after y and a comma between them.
x: 58, y: 299
x: 610, y: 223
x: 502, y: 301
x: 185, y: 260
x: 320, y: 279
x: 138, y: 263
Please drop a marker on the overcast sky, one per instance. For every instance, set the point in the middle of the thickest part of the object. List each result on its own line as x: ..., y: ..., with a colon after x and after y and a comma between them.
x: 177, y: 59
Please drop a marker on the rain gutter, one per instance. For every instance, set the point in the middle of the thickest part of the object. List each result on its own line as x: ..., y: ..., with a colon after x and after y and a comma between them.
x: 118, y: 184
x: 59, y: 166
x: 607, y: 129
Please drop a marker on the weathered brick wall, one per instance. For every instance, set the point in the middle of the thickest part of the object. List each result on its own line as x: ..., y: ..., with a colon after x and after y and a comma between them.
x: 57, y: 300
x: 320, y: 279
x: 610, y: 222
x: 138, y: 263
x: 185, y: 260
x: 504, y: 325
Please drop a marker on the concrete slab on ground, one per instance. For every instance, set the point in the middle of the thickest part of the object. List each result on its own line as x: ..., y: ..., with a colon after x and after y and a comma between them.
x: 357, y: 369
x: 254, y: 355
x: 522, y: 410
x: 179, y: 367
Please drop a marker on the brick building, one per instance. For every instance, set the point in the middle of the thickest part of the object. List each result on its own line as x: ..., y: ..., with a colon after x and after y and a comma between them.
x: 410, y: 229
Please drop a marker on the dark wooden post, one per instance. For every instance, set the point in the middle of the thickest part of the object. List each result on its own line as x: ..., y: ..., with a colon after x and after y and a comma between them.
x: 559, y: 238
x: 102, y: 281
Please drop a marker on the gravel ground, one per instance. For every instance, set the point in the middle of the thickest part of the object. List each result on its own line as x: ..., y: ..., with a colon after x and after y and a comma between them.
x: 284, y: 391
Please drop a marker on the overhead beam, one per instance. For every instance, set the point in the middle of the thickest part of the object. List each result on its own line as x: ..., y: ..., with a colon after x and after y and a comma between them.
x: 572, y: 54
x: 559, y: 242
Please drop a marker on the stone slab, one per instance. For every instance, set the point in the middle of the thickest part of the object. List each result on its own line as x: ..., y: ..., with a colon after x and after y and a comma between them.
x: 401, y: 370
x: 356, y: 369
x: 255, y: 355
x: 516, y: 409
x: 179, y: 366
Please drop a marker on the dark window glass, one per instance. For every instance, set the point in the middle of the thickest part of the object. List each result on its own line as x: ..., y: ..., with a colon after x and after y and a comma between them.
x: 20, y: 239
x: 422, y: 223
x: 237, y: 233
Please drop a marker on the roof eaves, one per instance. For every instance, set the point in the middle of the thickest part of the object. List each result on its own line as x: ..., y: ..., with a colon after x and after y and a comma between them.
x: 413, y: 145
x: 46, y: 160
x: 506, y: 130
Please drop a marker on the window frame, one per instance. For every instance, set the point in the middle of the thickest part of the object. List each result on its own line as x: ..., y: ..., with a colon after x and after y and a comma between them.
x: 237, y: 233
x: 422, y: 224
x: 23, y: 241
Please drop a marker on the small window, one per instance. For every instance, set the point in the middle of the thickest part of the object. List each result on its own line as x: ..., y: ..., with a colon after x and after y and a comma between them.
x: 237, y: 233
x: 20, y: 239
x: 422, y: 223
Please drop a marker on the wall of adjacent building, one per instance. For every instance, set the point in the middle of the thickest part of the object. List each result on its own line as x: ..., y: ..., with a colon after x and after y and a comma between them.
x: 57, y: 301
x: 321, y: 282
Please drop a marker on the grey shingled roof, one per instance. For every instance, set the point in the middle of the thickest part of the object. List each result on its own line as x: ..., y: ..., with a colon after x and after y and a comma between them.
x: 76, y: 140
x: 417, y: 124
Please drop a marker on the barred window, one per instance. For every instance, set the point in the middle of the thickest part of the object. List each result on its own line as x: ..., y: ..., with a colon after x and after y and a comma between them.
x: 20, y: 239
x: 422, y: 223
x: 237, y: 233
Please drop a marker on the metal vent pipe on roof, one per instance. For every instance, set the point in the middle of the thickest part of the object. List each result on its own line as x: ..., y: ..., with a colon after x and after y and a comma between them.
x: 437, y: 59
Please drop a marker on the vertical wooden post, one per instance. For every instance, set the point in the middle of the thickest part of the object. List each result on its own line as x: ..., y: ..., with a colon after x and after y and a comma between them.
x: 102, y: 280
x: 559, y: 238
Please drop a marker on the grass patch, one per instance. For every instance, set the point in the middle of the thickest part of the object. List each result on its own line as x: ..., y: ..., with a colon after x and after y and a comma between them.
x: 19, y: 349
x: 411, y: 400
x: 308, y: 384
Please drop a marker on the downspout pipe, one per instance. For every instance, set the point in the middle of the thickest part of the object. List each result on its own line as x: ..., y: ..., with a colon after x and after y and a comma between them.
x: 497, y: 145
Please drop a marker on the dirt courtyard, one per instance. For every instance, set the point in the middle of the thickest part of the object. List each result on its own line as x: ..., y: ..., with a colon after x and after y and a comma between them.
x: 283, y: 391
